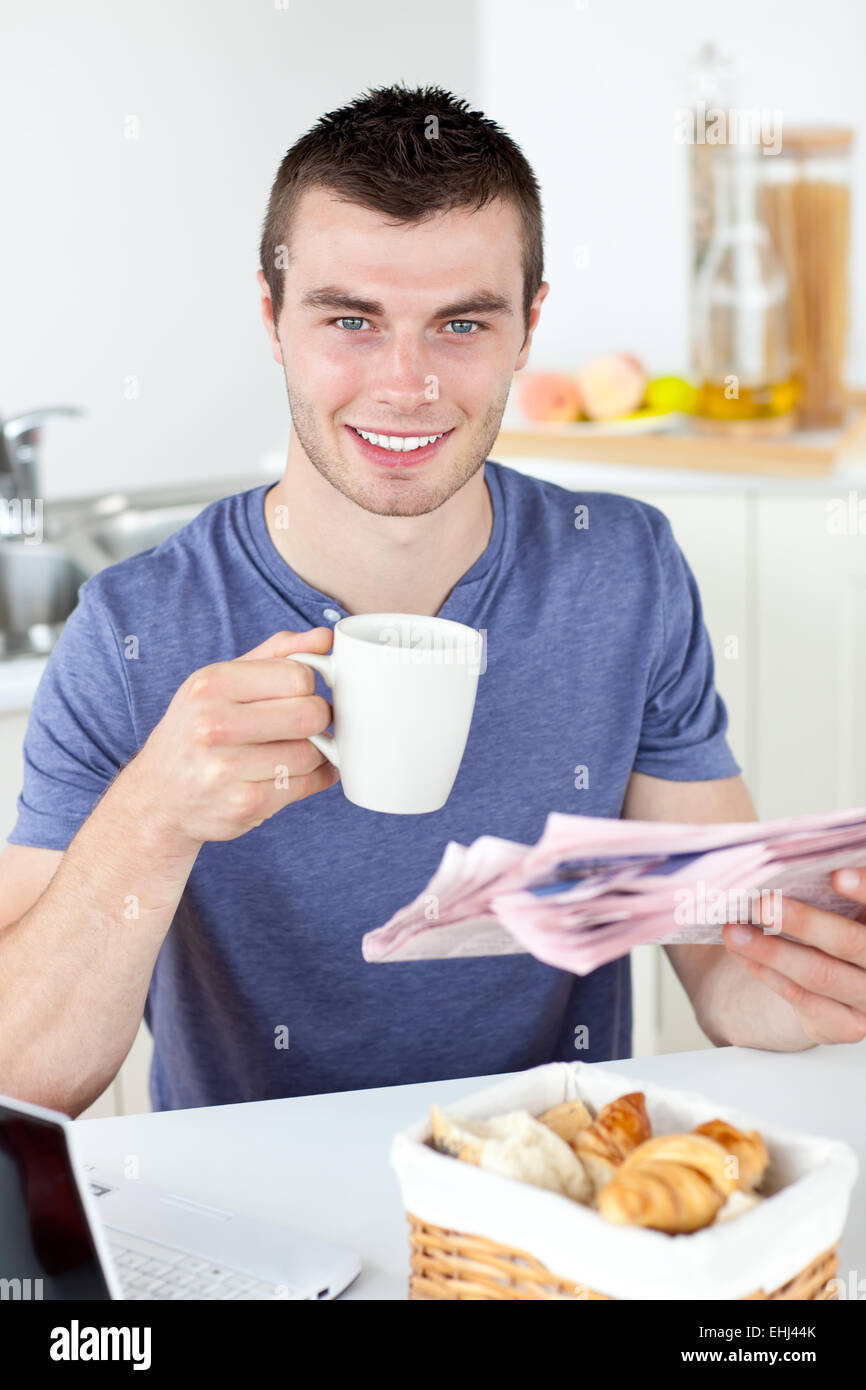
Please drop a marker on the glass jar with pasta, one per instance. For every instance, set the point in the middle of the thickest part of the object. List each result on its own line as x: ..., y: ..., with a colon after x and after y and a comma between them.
x: 805, y: 203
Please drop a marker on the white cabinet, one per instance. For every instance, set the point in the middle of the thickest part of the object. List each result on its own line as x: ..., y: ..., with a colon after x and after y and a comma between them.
x: 133, y: 1097
x: 712, y: 530
x: 811, y: 660
x: 12, y: 727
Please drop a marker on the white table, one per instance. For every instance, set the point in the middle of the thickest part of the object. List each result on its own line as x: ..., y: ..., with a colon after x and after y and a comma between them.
x: 319, y: 1164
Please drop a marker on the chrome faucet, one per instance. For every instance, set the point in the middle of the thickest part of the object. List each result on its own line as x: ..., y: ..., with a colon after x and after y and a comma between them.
x: 19, y: 440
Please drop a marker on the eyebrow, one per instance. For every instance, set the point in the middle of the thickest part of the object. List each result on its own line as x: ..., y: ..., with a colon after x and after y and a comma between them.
x: 331, y: 297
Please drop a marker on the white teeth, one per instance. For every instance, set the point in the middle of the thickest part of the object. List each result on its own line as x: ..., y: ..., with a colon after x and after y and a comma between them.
x: 395, y: 443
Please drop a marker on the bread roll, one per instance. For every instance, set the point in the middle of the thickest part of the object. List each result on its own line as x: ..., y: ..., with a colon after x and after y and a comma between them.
x: 567, y: 1120
x: 515, y: 1146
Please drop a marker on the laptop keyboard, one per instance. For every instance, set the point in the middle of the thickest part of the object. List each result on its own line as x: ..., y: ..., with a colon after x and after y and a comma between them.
x: 148, y: 1270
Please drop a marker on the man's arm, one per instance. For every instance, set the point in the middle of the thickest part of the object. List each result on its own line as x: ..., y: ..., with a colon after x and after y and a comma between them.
x: 730, y: 1004
x: 75, y: 968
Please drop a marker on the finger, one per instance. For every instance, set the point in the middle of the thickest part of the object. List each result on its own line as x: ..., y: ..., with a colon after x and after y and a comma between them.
x: 243, y: 681
x: 264, y: 673
x: 263, y: 721
x: 268, y: 762
x: 315, y: 639
x: 276, y: 798
x: 805, y: 966
x: 851, y: 883
x: 308, y: 783
x: 830, y: 932
x: 826, y: 1020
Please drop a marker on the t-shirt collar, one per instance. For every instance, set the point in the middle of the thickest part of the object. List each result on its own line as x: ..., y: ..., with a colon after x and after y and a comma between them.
x: 310, y: 600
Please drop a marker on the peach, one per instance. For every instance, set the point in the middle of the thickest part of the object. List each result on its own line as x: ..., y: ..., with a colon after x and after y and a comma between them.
x: 548, y: 396
x: 611, y: 386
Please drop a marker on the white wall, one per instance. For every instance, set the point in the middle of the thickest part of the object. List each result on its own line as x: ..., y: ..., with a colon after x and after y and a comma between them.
x: 589, y: 89
x: 137, y: 257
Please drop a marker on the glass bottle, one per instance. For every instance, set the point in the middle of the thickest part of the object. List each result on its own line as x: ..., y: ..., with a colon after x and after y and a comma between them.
x: 714, y: 83
x: 741, y: 339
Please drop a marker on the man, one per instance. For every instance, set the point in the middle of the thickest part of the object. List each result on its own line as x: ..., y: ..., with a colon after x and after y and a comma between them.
x: 182, y: 849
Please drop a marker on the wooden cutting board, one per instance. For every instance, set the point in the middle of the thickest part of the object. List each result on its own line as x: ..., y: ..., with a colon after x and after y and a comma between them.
x: 797, y: 454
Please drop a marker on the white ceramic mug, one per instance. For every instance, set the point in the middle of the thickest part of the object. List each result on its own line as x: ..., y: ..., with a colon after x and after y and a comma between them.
x: 404, y: 690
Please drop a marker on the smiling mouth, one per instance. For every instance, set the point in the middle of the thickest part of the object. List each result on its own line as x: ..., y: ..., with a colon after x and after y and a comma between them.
x: 398, y: 443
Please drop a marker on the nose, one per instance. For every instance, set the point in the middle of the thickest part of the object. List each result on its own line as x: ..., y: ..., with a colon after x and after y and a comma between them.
x: 403, y: 376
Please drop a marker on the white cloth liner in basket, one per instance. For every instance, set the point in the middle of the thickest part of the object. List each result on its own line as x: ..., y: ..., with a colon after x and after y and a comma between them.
x: 809, y: 1179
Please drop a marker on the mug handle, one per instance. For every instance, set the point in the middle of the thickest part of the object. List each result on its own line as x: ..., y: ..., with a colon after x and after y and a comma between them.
x: 325, y: 666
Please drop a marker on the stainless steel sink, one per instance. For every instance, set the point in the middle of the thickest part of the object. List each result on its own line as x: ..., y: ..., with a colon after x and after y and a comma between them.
x: 135, y: 529
x: 39, y: 582
x: 38, y: 590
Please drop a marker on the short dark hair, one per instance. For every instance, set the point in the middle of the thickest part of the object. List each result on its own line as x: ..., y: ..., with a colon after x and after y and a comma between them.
x: 408, y: 154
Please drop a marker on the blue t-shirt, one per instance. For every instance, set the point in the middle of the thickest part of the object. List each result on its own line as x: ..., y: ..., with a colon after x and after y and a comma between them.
x: 597, y: 662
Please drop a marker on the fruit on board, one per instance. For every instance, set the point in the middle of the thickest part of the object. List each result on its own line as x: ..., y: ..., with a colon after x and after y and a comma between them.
x: 671, y: 393
x: 611, y: 386
x: 548, y: 397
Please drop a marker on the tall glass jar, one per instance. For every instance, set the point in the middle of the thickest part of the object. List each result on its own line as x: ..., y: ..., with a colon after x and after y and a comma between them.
x: 714, y: 83
x: 741, y: 338
x: 805, y: 202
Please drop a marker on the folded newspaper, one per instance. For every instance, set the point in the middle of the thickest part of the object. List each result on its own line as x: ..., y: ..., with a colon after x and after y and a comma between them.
x: 594, y: 887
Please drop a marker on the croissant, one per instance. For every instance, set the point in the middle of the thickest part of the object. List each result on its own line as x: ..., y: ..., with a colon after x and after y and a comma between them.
x: 669, y: 1197
x: 675, y: 1183
x: 618, y: 1128
x: 696, y: 1150
x: 747, y: 1149
x: 567, y: 1120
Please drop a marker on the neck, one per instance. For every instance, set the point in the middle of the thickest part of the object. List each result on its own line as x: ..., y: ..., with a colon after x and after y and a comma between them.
x: 369, y: 563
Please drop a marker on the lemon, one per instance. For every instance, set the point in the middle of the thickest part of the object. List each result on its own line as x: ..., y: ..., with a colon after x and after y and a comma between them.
x: 671, y: 393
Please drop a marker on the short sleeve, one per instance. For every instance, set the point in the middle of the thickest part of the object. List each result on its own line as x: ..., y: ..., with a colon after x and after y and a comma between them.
x: 80, y: 733
x: 683, y: 733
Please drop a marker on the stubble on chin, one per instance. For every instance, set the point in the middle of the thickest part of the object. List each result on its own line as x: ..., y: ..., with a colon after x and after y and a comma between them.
x: 400, y: 495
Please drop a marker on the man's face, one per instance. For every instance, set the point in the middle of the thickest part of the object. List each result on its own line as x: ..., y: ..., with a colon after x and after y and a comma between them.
x: 406, y: 332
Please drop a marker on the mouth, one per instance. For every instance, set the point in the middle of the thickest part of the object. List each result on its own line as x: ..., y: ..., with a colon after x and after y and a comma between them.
x: 397, y: 450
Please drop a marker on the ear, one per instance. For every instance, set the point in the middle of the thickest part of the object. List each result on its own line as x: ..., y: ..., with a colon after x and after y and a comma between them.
x: 534, y: 316
x: 267, y: 310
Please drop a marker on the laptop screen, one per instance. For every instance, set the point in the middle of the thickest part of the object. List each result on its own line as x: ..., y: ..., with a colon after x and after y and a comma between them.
x: 46, y: 1248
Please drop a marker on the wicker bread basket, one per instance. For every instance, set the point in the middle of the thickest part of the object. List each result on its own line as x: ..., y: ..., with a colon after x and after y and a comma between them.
x: 446, y: 1264
x: 476, y: 1235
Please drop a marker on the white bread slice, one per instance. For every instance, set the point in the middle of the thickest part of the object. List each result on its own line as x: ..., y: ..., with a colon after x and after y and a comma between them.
x: 516, y: 1146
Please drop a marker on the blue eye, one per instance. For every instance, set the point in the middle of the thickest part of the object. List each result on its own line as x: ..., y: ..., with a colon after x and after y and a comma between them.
x: 463, y: 328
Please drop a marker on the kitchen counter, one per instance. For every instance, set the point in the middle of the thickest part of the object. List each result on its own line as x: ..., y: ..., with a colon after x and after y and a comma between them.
x: 638, y: 479
x: 19, y: 678
x: 319, y: 1164
x: 681, y: 445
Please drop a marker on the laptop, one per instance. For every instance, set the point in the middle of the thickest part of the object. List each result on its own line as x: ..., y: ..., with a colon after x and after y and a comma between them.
x: 70, y: 1231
